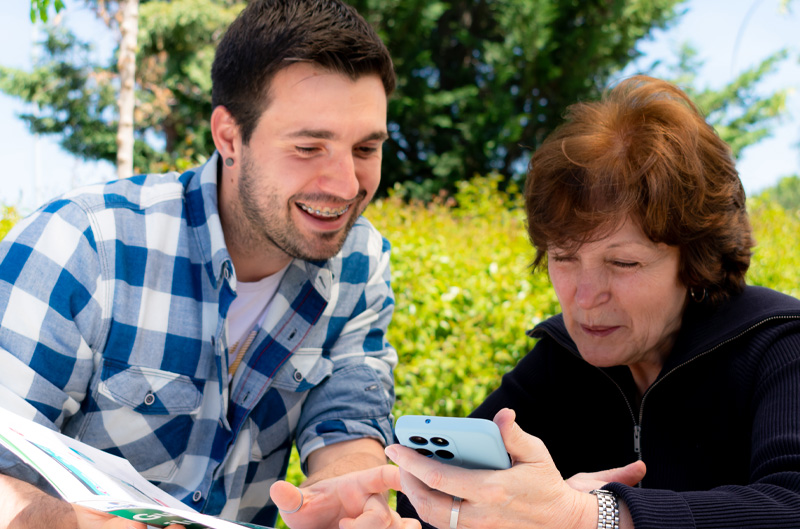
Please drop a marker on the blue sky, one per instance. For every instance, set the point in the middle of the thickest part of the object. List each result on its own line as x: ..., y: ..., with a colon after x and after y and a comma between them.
x: 730, y: 36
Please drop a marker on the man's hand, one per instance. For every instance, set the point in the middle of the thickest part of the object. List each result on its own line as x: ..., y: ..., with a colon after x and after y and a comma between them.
x: 23, y: 506
x: 350, y: 501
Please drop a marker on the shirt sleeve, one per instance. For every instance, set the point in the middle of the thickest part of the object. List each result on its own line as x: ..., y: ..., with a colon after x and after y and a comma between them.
x: 50, y: 314
x: 355, y: 401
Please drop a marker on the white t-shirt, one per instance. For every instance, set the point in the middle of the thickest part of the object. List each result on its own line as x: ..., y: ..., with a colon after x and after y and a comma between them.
x: 249, y: 308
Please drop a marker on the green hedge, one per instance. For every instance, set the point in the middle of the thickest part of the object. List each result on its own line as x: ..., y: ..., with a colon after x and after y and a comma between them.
x: 465, y: 294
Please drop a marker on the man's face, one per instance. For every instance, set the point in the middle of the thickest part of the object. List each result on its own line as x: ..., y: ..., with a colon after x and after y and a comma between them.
x: 312, y: 165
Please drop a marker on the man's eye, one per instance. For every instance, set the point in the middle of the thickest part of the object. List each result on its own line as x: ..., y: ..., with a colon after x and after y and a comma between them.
x: 366, y: 151
x: 306, y: 150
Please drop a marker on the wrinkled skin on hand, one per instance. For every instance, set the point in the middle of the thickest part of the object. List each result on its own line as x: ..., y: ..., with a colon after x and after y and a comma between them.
x: 531, y: 494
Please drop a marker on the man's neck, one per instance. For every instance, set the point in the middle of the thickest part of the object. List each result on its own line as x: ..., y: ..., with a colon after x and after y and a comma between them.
x: 251, y: 267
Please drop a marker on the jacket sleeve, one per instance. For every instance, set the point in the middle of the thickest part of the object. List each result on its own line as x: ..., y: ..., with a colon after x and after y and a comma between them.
x: 50, y: 315
x: 771, y: 499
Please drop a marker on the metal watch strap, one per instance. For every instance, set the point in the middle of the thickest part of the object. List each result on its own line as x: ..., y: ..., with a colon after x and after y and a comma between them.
x: 607, y: 509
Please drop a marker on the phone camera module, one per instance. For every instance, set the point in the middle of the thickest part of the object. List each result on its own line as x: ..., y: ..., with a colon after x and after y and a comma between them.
x: 438, y: 441
x: 423, y: 451
x: 445, y: 454
x: 418, y: 440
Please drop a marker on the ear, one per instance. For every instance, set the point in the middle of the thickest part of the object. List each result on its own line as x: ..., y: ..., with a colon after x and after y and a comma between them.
x: 225, y: 132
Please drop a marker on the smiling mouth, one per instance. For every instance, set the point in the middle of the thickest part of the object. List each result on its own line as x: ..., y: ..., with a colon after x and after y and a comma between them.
x: 325, y: 213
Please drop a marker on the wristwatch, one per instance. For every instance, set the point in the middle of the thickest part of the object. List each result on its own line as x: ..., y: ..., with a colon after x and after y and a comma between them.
x: 607, y: 509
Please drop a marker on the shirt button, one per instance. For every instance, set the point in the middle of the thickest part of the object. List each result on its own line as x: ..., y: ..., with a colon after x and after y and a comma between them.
x: 298, y: 376
x: 149, y: 398
x: 197, y: 496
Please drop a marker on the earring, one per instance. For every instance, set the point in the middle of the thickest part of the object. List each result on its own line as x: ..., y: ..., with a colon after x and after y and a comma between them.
x: 229, y: 162
x: 698, y: 297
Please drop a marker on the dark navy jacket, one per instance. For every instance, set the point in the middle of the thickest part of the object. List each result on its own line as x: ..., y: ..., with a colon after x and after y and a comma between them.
x: 719, y: 429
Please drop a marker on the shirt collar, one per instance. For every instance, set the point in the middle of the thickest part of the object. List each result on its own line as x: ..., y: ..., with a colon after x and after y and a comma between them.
x: 203, y: 215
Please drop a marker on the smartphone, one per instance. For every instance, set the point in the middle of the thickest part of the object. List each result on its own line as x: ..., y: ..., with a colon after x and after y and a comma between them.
x: 461, y: 441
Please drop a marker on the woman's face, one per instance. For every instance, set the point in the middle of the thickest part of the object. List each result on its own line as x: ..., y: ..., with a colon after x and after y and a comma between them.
x: 621, y: 298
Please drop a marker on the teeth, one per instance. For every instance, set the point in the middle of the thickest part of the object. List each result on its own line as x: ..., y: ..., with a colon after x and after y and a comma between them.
x: 324, y: 212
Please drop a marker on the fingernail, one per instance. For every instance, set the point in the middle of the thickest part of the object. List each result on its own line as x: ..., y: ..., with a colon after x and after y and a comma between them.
x: 391, y: 452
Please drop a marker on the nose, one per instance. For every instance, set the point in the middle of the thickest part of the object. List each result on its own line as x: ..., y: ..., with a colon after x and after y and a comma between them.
x: 592, y: 288
x: 339, y: 177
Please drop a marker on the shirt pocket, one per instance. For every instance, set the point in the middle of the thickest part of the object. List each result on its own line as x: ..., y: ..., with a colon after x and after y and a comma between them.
x: 146, y: 415
x: 305, y: 369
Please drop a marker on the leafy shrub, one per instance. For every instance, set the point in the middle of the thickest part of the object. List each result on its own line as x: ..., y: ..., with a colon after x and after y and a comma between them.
x: 8, y: 217
x: 776, y: 258
x: 464, y: 292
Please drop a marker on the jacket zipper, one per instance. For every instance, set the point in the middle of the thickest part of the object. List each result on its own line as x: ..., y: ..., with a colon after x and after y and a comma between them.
x: 637, y: 428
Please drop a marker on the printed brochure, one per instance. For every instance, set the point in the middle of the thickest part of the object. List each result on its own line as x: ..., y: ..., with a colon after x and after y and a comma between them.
x: 89, y: 477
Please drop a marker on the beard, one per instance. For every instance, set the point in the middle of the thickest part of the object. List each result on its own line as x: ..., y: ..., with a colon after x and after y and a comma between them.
x: 262, y: 222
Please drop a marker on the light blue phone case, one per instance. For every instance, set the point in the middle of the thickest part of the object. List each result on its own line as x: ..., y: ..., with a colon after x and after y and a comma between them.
x: 460, y: 441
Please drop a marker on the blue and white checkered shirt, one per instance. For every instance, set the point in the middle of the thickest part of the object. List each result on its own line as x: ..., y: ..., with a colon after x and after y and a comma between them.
x: 113, y: 303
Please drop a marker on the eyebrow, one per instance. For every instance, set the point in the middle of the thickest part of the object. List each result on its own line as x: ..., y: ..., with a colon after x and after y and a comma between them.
x: 328, y: 135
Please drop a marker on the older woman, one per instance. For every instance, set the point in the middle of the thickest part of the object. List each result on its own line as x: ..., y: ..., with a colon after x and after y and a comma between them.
x: 661, y: 356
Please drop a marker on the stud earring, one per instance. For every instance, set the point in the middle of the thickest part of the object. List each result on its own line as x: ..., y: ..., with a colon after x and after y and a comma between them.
x: 229, y: 162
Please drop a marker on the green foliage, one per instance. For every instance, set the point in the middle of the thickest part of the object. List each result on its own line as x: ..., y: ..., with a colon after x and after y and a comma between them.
x: 740, y: 114
x: 8, y: 217
x: 40, y: 9
x: 786, y: 193
x: 464, y: 295
x: 776, y: 258
x: 70, y: 97
x: 177, y: 41
x: 75, y: 96
x: 482, y: 82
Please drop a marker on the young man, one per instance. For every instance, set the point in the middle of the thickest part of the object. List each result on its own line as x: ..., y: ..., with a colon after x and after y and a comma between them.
x: 198, y: 324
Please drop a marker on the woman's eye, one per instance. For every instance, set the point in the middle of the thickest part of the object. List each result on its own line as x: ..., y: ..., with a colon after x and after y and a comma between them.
x: 562, y: 258
x: 625, y: 264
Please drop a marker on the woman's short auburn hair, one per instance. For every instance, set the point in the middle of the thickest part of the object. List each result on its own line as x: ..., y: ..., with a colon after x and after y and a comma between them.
x: 645, y: 152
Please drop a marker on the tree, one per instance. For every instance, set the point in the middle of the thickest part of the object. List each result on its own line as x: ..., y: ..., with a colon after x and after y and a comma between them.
x: 126, y: 19
x: 786, y: 193
x: 75, y: 97
x: 41, y: 8
x: 480, y: 82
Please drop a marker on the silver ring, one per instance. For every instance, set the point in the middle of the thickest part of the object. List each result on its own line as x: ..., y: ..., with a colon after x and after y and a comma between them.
x: 298, y: 507
x: 454, y: 510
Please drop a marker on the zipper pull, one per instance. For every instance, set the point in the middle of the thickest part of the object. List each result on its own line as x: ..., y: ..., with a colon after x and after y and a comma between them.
x: 637, y: 435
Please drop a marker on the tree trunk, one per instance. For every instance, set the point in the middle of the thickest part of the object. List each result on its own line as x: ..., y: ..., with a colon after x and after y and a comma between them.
x: 126, y: 64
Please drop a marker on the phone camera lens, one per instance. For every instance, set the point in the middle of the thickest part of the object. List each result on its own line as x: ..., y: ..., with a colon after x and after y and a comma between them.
x: 445, y: 454
x: 423, y: 451
x: 438, y: 441
x: 417, y: 440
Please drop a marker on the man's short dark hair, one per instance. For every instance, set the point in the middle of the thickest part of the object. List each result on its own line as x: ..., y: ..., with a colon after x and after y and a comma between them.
x: 269, y: 35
